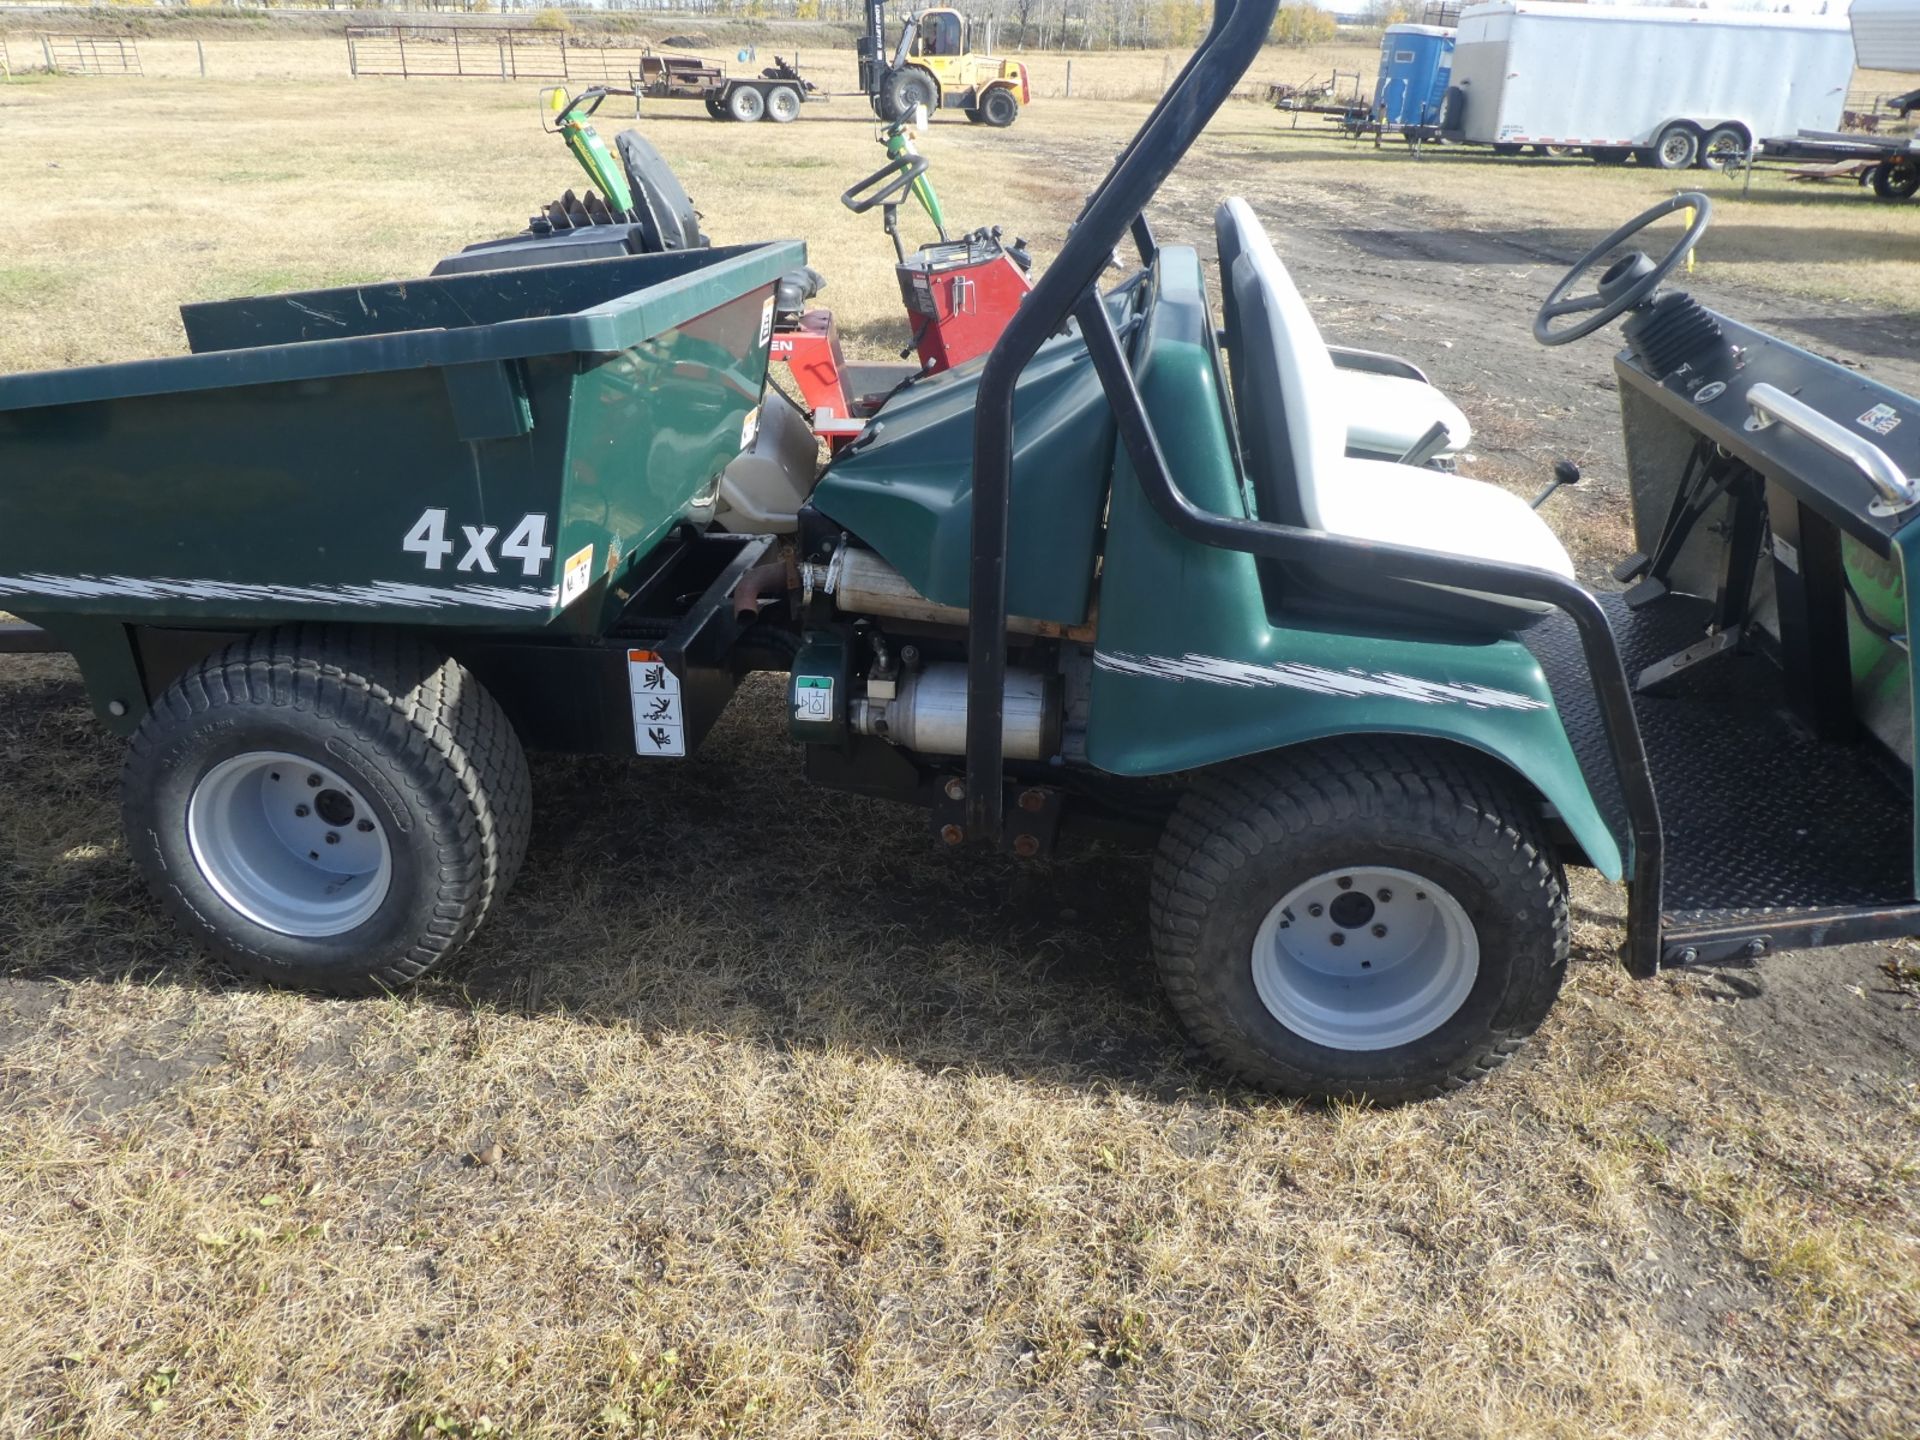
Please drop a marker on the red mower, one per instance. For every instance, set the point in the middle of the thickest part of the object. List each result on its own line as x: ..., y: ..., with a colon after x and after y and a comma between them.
x: 959, y: 295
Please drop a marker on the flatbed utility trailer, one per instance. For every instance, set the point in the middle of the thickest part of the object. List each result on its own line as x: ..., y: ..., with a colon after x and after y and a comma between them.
x: 775, y: 94
x: 334, y: 571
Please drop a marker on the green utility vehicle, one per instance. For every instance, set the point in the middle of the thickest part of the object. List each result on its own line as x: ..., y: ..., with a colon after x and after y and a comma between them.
x: 333, y: 572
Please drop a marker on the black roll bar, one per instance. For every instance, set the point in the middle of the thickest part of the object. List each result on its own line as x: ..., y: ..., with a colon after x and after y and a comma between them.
x: 1232, y: 41
x: 1400, y: 562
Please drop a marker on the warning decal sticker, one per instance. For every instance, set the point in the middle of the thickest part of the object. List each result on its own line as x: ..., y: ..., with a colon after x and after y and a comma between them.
x: 659, y: 727
x: 813, y: 698
x: 576, y: 577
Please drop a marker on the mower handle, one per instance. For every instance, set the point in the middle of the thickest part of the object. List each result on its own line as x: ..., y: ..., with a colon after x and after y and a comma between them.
x: 597, y: 94
x: 899, y: 174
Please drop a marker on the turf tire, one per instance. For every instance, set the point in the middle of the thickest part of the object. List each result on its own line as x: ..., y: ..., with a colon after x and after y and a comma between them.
x: 433, y: 754
x: 1245, y: 835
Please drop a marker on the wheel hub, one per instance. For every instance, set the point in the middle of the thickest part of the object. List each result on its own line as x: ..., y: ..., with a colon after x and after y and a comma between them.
x: 1365, y: 958
x: 289, y: 844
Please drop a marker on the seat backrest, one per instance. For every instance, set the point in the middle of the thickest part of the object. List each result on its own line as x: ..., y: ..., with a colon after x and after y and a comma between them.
x: 1292, y: 425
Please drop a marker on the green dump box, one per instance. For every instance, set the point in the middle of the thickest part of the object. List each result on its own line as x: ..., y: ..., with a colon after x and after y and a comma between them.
x: 469, y: 451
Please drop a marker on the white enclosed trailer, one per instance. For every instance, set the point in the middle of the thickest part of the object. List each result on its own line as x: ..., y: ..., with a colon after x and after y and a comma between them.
x: 1886, y: 34
x: 1674, y: 87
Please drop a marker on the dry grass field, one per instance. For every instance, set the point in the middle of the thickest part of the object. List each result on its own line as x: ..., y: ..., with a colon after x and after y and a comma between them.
x: 751, y: 1115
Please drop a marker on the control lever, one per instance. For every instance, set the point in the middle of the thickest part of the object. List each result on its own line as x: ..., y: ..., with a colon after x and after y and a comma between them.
x: 1565, y: 472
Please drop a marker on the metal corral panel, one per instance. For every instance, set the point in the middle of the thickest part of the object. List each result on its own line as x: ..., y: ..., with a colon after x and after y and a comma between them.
x: 1561, y: 74
x: 1886, y: 34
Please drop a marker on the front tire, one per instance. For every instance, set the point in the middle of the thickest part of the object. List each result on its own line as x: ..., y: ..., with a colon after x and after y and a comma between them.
x: 998, y: 108
x: 1433, y: 872
x: 909, y: 88
x: 329, y: 809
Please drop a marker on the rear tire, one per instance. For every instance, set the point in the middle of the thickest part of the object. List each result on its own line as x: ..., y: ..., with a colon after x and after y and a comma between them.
x: 1451, y: 951
x: 783, y: 104
x: 746, y: 104
x: 1724, y: 149
x: 714, y: 106
x: 331, y: 809
x: 1677, y: 147
x: 998, y: 108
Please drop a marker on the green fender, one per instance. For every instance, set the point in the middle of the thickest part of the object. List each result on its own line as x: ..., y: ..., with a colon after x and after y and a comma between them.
x: 1190, y: 670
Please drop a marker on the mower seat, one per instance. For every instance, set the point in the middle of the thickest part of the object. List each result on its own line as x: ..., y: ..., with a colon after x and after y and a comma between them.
x: 1388, y: 403
x: 1293, y: 449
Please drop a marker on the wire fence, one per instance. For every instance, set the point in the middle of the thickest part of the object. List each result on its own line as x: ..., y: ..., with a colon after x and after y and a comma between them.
x: 465, y: 52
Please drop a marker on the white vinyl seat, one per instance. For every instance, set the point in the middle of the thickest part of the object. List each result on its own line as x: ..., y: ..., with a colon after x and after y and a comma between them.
x: 1387, y: 415
x: 1389, y: 405
x: 1293, y: 441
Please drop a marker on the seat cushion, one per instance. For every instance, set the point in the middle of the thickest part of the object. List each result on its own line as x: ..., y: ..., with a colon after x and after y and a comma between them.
x: 1387, y: 415
x: 1431, y: 510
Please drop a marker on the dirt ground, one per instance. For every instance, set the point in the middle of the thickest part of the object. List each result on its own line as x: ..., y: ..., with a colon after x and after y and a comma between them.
x: 752, y: 1114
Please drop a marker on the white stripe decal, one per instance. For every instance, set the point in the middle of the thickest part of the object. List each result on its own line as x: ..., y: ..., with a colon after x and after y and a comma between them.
x: 1292, y: 675
x: 379, y: 592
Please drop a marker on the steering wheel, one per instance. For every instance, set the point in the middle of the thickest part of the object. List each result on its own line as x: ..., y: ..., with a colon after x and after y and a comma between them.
x: 892, y: 180
x: 1626, y: 282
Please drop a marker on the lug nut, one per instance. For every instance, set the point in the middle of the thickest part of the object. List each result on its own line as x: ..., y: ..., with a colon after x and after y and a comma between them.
x: 301, y: 811
x: 1032, y: 800
x: 1337, y: 938
x: 1313, y: 910
x: 313, y: 782
x: 332, y: 839
x: 1379, y: 932
x: 952, y: 834
x: 1345, y: 882
x: 956, y: 790
x: 1025, y: 846
x: 1385, y: 897
x: 365, y: 827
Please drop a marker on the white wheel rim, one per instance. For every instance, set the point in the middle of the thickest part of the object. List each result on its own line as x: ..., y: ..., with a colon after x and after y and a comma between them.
x: 289, y: 844
x: 783, y: 105
x: 1366, y: 958
x: 1675, y: 148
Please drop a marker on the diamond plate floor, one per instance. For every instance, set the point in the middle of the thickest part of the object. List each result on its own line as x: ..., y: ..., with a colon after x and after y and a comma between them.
x: 1759, y: 816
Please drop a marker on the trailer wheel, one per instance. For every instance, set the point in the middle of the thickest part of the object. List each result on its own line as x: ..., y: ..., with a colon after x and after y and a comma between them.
x: 1677, y: 147
x: 783, y: 104
x: 1896, y: 179
x: 744, y: 102
x: 1371, y: 920
x: 330, y: 809
x: 716, y: 107
x: 974, y: 117
x: 998, y: 108
x: 1724, y: 148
